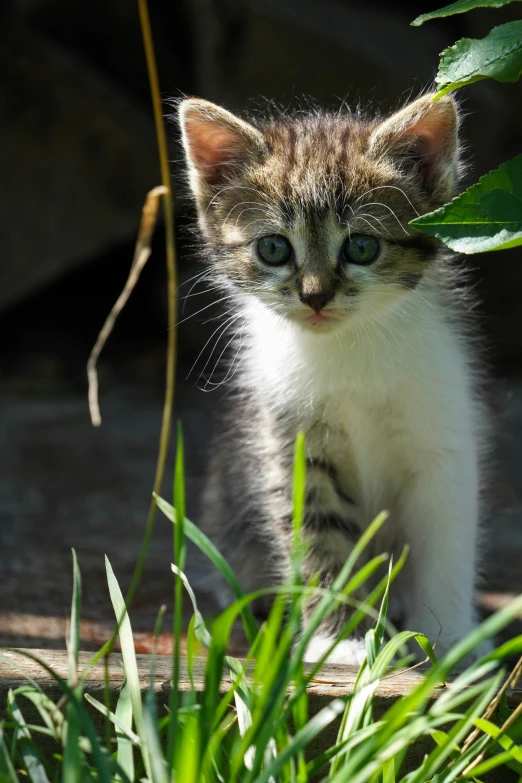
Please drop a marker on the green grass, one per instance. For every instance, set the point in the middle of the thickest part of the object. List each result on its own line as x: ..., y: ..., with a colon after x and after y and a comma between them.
x: 259, y: 730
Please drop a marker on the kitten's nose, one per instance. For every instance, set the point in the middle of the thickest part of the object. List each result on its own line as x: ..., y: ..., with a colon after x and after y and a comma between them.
x: 317, y: 300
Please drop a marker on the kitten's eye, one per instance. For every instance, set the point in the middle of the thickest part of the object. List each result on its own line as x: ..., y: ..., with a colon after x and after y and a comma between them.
x: 360, y: 249
x: 274, y: 249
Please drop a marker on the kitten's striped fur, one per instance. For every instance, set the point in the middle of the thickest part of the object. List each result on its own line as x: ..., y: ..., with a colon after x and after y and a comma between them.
x: 381, y: 378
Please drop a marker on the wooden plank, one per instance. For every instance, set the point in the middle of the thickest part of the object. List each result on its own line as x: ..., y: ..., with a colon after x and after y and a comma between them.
x: 15, y: 668
x: 333, y: 681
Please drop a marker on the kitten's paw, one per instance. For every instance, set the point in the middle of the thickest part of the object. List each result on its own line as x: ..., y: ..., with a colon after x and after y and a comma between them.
x: 351, y: 652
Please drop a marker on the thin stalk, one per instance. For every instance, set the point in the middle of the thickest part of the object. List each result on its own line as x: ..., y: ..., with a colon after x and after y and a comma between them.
x: 166, y: 424
x: 168, y: 406
x: 177, y: 621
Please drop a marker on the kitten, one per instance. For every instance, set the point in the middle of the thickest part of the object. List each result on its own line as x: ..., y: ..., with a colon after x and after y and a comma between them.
x: 353, y: 331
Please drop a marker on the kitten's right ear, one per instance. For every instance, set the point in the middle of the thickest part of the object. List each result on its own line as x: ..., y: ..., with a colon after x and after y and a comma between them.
x: 217, y: 144
x: 426, y: 133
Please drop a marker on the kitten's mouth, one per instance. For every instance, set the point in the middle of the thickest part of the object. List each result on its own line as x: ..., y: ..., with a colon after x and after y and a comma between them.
x: 320, y: 319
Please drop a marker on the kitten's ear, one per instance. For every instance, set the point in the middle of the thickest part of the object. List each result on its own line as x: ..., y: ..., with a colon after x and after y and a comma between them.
x: 426, y: 133
x: 217, y: 144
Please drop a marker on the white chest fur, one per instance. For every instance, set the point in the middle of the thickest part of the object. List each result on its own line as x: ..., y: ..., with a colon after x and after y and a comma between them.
x: 391, y: 395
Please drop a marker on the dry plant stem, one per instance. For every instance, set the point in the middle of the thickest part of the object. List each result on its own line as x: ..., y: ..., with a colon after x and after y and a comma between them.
x: 166, y: 423
x: 515, y: 715
x: 142, y: 252
x: 510, y: 682
x: 169, y: 245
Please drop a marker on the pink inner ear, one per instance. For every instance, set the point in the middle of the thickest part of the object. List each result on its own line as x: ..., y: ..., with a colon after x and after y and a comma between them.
x: 434, y: 133
x: 212, y: 147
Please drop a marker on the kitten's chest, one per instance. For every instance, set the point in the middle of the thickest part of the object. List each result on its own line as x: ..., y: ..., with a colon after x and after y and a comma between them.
x: 365, y: 441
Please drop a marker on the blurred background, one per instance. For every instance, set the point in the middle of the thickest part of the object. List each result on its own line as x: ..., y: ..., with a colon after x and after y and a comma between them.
x: 77, y: 144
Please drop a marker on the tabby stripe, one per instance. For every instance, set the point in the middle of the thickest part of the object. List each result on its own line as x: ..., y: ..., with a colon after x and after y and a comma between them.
x: 331, y: 472
x: 323, y: 523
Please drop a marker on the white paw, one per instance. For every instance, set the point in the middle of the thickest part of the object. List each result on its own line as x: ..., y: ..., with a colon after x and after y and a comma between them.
x: 351, y: 652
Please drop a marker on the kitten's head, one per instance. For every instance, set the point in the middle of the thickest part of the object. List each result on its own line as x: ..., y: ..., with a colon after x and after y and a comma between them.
x: 309, y: 214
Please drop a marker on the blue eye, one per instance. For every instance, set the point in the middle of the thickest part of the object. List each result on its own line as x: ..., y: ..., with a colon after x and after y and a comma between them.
x: 274, y: 249
x: 360, y: 249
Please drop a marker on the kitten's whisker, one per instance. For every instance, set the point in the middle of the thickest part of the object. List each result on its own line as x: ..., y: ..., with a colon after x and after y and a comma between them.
x: 201, y: 293
x: 221, y: 326
x: 257, y: 205
x: 201, y: 279
x: 234, y: 187
x: 361, y: 217
x: 223, y: 331
x: 373, y: 217
x: 250, y: 209
x: 219, y: 359
x: 193, y: 315
x: 201, y: 274
x: 221, y: 383
x: 380, y: 204
x: 392, y: 187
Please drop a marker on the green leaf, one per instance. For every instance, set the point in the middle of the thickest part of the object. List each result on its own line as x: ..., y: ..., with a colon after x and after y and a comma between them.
x: 130, y: 665
x: 99, y: 753
x: 124, y: 717
x: 487, y: 216
x: 72, y: 757
x: 50, y: 714
x: 115, y: 718
x: 303, y: 738
x: 209, y: 549
x: 460, y: 7
x: 7, y: 769
x: 200, y: 629
x: 496, y: 56
x: 74, y: 633
x: 32, y: 761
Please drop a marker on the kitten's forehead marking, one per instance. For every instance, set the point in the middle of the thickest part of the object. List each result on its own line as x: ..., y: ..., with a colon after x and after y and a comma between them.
x: 316, y: 242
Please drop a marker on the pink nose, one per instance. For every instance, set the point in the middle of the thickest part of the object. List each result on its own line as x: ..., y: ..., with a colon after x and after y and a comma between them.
x: 317, y: 301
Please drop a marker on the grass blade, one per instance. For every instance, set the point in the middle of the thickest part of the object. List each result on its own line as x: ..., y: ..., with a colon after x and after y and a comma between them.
x: 200, y: 629
x: 98, y: 752
x: 114, y: 717
x: 7, y: 769
x: 72, y: 756
x: 179, y: 565
x: 129, y: 660
x: 207, y: 547
x: 303, y: 738
x: 74, y: 631
x: 123, y: 721
x: 32, y: 761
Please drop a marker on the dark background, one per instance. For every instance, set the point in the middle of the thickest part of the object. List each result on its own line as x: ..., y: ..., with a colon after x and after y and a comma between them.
x: 77, y: 143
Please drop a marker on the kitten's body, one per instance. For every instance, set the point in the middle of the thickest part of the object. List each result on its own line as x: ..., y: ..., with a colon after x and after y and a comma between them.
x: 384, y: 387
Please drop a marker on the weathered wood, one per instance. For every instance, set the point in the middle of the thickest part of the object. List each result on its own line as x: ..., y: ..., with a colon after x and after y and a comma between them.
x: 16, y: 668
x: 334, y: 681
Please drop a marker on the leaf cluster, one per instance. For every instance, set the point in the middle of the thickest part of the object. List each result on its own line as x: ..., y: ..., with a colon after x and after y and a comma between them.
x: 487, y: 216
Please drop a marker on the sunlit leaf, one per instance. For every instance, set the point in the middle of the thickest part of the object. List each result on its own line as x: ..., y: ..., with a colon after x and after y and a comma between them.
x: 487, y: 216
x: 460, y: 7
x: 496, y: 56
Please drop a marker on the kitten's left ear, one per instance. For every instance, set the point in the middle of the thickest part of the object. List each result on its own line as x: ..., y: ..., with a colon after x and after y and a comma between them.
x: 426, y: 133
x: 217, y: 144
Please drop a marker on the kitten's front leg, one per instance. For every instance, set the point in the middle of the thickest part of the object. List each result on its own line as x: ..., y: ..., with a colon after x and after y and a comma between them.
x: 332, y: 525
x: 440, y: 517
